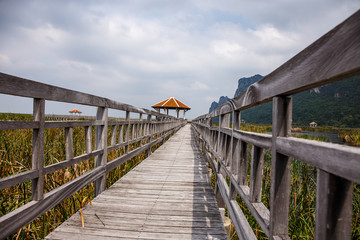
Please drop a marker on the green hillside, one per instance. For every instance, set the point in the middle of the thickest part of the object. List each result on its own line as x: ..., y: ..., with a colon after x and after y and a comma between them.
x: 336, y: 104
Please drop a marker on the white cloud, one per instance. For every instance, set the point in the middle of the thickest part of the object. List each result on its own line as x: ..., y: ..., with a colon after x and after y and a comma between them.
x: 4, y: 60
x: 199, y: 86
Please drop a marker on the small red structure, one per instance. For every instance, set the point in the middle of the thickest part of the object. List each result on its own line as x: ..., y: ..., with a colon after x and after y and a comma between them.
x: 171, y: 103
x: 75, y: 111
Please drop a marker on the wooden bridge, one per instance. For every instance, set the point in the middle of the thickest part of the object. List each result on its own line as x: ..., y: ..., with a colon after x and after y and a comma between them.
x: 168, y: 195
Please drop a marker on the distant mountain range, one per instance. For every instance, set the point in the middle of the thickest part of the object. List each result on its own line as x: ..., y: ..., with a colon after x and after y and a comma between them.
x: 336, y: 104
x: 243, y: 84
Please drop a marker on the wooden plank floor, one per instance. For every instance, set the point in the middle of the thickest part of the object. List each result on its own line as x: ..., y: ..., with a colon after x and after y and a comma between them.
x: 167, y: 196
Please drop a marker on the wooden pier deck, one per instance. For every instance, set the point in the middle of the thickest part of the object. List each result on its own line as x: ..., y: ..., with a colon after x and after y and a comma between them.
x: 167, y: 196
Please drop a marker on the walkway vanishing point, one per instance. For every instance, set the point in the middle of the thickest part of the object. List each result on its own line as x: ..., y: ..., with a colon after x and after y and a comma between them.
x: 167, y: 196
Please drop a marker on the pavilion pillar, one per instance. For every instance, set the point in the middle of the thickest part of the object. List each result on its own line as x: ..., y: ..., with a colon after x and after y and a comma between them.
x: 184, y: 114
x: 177, y: 113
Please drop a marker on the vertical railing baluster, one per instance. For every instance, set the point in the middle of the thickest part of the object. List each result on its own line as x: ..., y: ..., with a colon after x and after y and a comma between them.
x: 243, y: 163
x: 149, y: 132
x: 121, y: 133
x: 256, y: 173
x: 333, y: 207
x: 69, y: 143
x: 140, y: 129
x: 280, y: 168
x: 127, y: 131
x: 38, y: 149
x: 113, y: 135
x: 235, y: 151
x: 88, y: 138
x: 101, y: 143
x: 219, y: 169
x: 132, y: 131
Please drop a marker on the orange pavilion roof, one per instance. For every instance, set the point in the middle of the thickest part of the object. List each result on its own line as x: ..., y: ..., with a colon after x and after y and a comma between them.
x: 74, y: 111
x: 171, y: 103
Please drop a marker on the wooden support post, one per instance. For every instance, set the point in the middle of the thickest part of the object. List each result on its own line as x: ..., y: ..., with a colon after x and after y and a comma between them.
x: 69, y: 143
x: 257, y: 165
x: 38, y: 149
x: 121, y: 133
x: 132, y: 131
x: 113, y: 135
x: 101, y: 143
x: 140, y: 129
x: 280, y: 169
x: 235, y: 153
x: 127, y: 131
x: 149, y: 131
x: 333, y: 207
x: 243, y: 163
x: 219, y: 199
x: 88, y: 139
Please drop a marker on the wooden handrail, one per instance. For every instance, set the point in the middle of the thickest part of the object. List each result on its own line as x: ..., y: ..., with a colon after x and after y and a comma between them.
x: 152, y: 130
x: 333, y: 57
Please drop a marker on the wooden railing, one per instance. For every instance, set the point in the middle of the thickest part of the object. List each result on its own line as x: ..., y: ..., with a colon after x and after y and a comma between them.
x: 333, y: 57
x: 144, y: 133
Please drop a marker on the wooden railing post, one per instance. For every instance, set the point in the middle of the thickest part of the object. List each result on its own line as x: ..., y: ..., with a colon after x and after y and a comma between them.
x: 88, y: 139
x: 101, y: 143
x: 257, y: 164
x: 140, y: 128
x: 280, y: 169
x: 333, y: 207
x: 149, y: 131
x: 69, y: 143
x: 127, y: 131
x: 113, y: 135
x: 235, y: 151
x: 243, y: 163
x: 38, y: 149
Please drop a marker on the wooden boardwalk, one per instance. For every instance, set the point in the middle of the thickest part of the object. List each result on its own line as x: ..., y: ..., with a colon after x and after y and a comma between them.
x: 167, y: 196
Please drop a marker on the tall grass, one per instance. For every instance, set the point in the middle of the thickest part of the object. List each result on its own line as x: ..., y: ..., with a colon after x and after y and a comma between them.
x: 15, y: 157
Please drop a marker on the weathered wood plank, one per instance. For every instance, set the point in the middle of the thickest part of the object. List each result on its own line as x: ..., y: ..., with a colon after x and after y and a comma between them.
x: 258, y: 139
x: 65, y: 124
x: 18, y: 178
x: 6, y: 125
x: 67, y: 163
x: 340, y: 160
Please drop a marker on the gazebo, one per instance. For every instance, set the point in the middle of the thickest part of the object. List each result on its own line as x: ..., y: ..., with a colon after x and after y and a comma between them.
x: 313, y: 124
x: 75, y: 111
x: 171, y: 103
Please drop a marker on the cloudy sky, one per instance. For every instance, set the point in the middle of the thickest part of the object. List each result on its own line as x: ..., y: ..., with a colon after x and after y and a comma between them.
x: 143, y: 51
